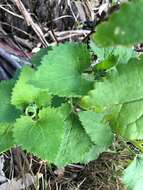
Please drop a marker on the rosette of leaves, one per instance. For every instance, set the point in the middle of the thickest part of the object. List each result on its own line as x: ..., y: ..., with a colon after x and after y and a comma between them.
x: 44, y: 125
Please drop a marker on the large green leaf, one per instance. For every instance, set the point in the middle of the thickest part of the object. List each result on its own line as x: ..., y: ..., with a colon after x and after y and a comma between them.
x: 6, y: 136
x: 24, y: 94
x: 123, y: 27
x: 121, y: 95
x: 62, y: 70
x: 76, y: 146
x: 73, y: 149
x: 42, y: 137
x: 133, y: 174
x: 8, y: 113
x: 97, y: 128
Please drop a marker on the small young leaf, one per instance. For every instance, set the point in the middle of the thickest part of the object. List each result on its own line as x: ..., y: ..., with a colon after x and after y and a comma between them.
x: 42, y: 137
x: 123, y: 27
x: 133, y: 174
x: 62, y: 70
x: 6, y: 136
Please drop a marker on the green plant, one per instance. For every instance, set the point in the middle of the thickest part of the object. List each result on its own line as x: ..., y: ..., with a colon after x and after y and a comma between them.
x: 66, y: 109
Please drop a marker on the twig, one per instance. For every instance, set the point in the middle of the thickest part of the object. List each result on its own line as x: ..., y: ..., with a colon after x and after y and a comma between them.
x: 18, y: 29
x: 71, y: 33
x: 30, y: 21
x: 81, y: 32
x: 10, y: 12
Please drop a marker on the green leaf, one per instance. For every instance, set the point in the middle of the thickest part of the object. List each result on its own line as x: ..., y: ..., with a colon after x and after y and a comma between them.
x: 97, y: 128
x: 6, y: 136
x: 42, y: 137
x: 8, y: 113
x: 122, y: 54
x: 76, y: 145
x: 62, y: 70
x: 106, y: 64
x: 93, y: 153
x: 72, y: 149
x: 121, y: 86
x: 133, y: 174
x: 121, y: 90
x: 123, y: 27
x: 24, y: 94
x: 36, y: 58
x: 57, y: 101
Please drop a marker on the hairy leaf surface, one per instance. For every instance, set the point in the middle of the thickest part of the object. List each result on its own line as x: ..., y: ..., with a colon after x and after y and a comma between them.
x: 76, y: 146
x: 123, y: 27
x: 121, y: 90
x: 42, y: 137
x: 25, y: 94
x: 73, y: 149
x: 97, y: 128
x: 62, y: 70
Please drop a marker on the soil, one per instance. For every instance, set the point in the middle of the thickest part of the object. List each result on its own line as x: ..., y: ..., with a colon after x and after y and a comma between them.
x: 59, y: 20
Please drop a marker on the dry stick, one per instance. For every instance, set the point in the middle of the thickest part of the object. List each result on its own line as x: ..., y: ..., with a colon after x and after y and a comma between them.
x: 10, y: 12
x: 30, y: 21
x: 18, y: 29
